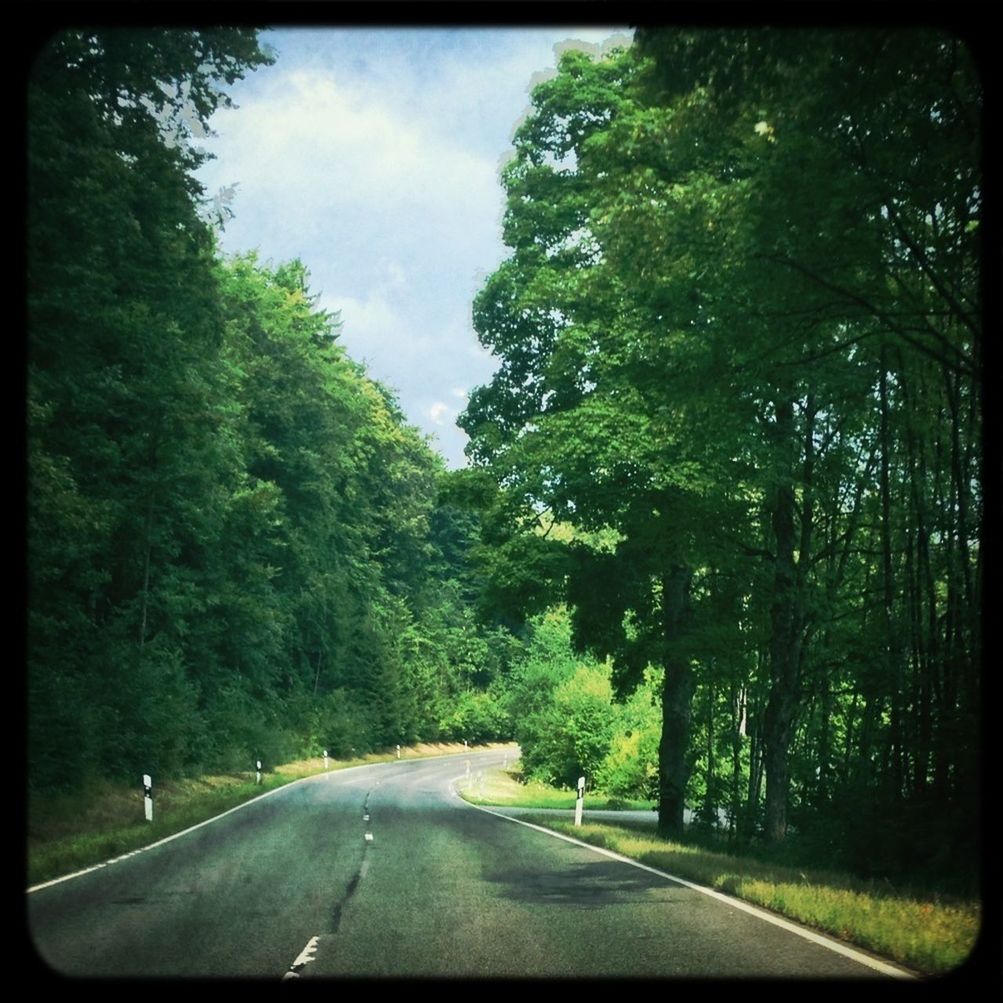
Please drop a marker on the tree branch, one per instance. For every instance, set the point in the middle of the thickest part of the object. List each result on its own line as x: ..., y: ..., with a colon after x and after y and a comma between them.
x: 927, y: 268
x: 886, y: 319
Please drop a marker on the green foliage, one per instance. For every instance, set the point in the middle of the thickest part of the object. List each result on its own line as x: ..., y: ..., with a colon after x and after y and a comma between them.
x: 573, y: 737
x: 237, y: 548
x: 630, y: 766
x: 567, y: 723
x: 739, y: 336
x: 477, y: 717
x: 127, y: 453
x: 338, y: 723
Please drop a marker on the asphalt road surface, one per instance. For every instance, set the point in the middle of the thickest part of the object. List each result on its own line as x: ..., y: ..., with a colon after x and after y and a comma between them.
x: 382, y: 871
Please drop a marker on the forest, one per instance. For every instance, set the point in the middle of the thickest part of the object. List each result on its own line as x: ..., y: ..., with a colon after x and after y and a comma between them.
x: 236, y: 545
x: 719, y: 538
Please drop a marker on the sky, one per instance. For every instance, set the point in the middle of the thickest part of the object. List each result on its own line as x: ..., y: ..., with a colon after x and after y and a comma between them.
x: 373, y: 155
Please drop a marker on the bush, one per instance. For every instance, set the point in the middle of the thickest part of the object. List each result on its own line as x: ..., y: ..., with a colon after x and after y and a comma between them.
x: 478, y: 717
x: 630, y: 768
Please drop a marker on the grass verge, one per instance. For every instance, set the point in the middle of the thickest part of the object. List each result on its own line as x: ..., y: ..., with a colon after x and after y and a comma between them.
x: 931, y: 934
x: 67, y: 833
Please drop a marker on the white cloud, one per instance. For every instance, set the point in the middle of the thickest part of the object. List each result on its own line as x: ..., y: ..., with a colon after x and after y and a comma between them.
x: 439, y: 411
x: 309, y: 145
x: 376, y: 332
x: 371, y: 317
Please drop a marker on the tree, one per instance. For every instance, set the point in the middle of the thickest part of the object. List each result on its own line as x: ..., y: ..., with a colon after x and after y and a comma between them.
x: 236, y: 546
x: 732, y: 271
x: 837, y: 248
x: 124, y: 387
x: 576, y: 425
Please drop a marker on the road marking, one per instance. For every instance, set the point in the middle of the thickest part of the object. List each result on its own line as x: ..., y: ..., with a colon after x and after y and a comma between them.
x: 369, y: 837
x: 815, y: 938
x: 304, y: 958
x: 338, y: 774
x: 307, y: 953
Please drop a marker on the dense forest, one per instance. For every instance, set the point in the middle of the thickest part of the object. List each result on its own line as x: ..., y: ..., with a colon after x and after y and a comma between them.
x: 719, y: 539
x: 236, y: 545
x: 740, y: 343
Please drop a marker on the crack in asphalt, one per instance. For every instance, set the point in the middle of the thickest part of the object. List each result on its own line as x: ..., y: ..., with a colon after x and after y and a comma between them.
x: 353, y: 884
x: 308, y: 953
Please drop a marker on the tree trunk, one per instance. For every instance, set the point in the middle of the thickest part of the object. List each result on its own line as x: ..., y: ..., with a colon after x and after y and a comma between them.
x: 754, y: 726
x: 737, y: 723
x: 146, y: 576
x: 710, y: 797
x: 677, y: 702
x: 777, y: 728
x: 891, y: 642
x: 786, y: 620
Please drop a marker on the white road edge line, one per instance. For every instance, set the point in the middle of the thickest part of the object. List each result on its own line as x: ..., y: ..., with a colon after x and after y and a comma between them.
x: 230, y: 811
x: 816, y: 938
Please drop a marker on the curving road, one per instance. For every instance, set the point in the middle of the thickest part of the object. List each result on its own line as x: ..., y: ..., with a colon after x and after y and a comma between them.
x: 382, y: 871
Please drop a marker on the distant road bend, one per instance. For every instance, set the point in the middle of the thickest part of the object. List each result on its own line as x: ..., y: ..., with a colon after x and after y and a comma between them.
x: 383, y: 871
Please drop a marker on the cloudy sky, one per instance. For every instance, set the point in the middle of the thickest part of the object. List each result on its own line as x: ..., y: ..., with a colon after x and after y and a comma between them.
x: 373, y: 156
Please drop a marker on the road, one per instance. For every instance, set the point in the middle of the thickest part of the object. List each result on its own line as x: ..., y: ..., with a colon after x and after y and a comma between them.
x: 382, y: 871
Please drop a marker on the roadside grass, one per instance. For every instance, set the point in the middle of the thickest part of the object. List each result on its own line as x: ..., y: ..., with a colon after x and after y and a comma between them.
x: 68, y: 832
x: 505, y: 788
x: 930, y: 935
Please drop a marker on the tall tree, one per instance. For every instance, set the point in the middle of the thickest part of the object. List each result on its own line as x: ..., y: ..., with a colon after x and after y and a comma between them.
x: 124, y: 387
x: 577, y: 424
x: 726, y: 297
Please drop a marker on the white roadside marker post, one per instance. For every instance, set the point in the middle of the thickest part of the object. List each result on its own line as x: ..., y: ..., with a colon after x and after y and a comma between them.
x: 580, y: 803
x: 257, y: 775
x: 325, y: 759
x: 398, y: 751
x: 148, y: 797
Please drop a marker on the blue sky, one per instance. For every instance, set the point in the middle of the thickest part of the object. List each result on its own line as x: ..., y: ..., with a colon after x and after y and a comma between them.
x: 373, y: 156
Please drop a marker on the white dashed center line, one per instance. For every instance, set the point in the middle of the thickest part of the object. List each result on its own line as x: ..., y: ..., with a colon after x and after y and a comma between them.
x: 304, y: 958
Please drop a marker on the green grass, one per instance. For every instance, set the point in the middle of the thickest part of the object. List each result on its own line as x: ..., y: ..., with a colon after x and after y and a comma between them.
x: 926, y: 932
x: 505, y: 788
x: 931, y: 936
x: 69, y: 832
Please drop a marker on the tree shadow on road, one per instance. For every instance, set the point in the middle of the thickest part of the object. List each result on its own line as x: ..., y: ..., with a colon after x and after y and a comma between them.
x: 584, y: 885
